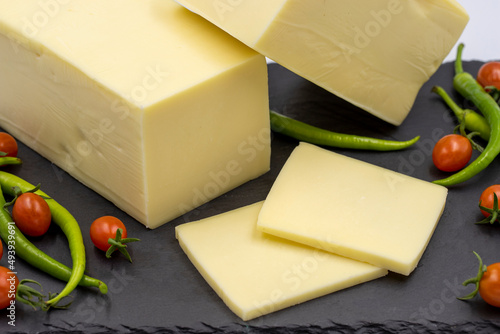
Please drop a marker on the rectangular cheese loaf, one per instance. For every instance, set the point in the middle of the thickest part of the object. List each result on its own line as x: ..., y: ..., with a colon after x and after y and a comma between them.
x: 146, y: 103
x: 375, y: 54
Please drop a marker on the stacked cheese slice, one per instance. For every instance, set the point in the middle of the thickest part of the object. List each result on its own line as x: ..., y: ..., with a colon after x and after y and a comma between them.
x: 375, y: 54
x: 329, y: 222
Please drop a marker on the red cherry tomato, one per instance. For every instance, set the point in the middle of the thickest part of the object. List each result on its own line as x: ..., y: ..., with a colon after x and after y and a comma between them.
x: 8, y: 287
x: 104, y: 228
x: 489, y: 74
x: 31, y: 214
x: 486, y: 199
x: 8, y: 145
x: 452, y: 153
x: 489, y: 285
x: 1, y: 250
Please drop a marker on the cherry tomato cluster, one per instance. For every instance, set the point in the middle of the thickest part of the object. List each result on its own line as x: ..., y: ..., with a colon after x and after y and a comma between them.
x: 32, y: 215
x: 487, y: 280
x: 453, y: 152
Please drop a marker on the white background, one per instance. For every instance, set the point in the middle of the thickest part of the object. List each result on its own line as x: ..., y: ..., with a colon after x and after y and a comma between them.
x: 481, y: 36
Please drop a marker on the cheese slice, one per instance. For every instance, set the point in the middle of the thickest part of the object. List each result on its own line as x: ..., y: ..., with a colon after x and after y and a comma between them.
x: 143, y: 101
x: 375, y: 54
x: 352, y: 208
x: 256, y: 274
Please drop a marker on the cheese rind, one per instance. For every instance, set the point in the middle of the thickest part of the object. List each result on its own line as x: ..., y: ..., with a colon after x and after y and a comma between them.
x: 352, y: 208
x: 146, y: 103
x: 255, y: 273
x: 375, y: 54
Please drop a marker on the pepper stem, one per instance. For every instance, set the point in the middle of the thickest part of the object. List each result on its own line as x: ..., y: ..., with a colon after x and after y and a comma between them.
x: 458, y: 62
x: 4, y: 160
x: 473, y: 121
x: 459, y: 112
x: 475, y: 280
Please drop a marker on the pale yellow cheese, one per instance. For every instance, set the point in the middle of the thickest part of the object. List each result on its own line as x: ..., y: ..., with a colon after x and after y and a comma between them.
x: 353, y: 208
x: 374, y: 53
x: 143, y: 101
x: 255, y: 273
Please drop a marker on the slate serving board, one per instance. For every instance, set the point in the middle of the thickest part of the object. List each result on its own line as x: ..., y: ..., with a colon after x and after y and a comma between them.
x: 161, y: 292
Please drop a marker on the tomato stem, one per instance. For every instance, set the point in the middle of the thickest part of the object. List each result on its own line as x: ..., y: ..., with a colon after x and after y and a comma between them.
x: 458, y: 62
x: 119, y: 244
x: 460, y: 129
x: 475, y: 280
x: 492, y: 211
x: 18, y: 192
x: 31, y: 296
x: 28, y: 295
x: 494, y: 92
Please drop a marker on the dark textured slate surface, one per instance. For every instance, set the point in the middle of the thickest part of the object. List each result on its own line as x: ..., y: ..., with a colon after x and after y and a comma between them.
x: 161, y: 292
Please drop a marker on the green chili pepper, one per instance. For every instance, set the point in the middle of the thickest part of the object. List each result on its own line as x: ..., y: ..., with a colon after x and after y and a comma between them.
x: 311, y: 134
x: 473, y: 121
x: 31, y: 254
x: 71, y: 229
x: 470, y: 89
x: 9, y: 160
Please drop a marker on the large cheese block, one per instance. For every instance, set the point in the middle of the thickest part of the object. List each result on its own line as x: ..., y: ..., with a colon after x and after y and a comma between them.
x: 353, y: 208
x: 255, y: 273
x: 375, y: 54
x: 143, y: 101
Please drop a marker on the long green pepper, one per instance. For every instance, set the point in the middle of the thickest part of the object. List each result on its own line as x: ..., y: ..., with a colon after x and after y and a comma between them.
x: 31, y: 254
x: 313, y: 135
x: 465, y: 84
